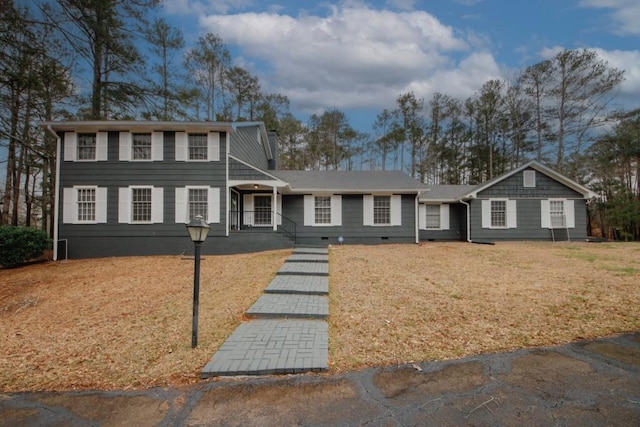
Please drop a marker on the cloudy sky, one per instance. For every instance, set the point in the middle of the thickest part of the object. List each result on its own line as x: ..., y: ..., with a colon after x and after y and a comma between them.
x: 358, y: 56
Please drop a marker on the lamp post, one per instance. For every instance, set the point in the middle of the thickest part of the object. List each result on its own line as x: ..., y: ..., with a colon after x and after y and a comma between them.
x: 198, y: 229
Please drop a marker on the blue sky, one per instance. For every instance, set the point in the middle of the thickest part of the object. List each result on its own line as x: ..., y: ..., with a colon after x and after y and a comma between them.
x: 358, y: 56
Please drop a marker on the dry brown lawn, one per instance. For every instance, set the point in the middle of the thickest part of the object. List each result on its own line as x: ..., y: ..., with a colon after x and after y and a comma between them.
x: 126, y: 322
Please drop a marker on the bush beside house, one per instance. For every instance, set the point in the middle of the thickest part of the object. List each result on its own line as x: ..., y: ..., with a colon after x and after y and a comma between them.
x: 20, y: 244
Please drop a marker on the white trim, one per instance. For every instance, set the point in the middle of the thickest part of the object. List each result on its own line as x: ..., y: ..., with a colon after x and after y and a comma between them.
x: 486, y: 213
x: 70, y: 146
x: 157, y: 146
x: 444, y: 216
x: 570, y: 213
x: 529, y: 178
x: 512, y: 214
x: 336, y: 210
x: 545, y: 214
x: 69, y: 212
x: 367, y: 209
x: 101, y: 205
x: 181, y: 146
x: 213, y: 205
x: 181, y: 205
x: 125, y: 139
x: 511, y: 220
x: 309, y: 210
x: 396, y: 210
x: 56, y: 214
x: 213, y: 146
x: 247, y: 209
x: 102, y: 144
x: 422, y: 216
x: 124, y: 205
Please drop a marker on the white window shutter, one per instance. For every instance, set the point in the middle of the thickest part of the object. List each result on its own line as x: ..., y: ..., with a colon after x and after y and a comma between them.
x: 70, y: 146
x: 247, y: 203
x: 279, y: 209
x: 101, y: 146
x: 181, y: 205
x: 570, y: 213
x: 336, y: 210
x: 157, y: 205
x: 181, y: 146
x: 213, y: 205
x: 545, y: 220
x: 124, y: 146
x: 396, y: 210
x: 444, y: 216
x: 512, y: 214
x: 486, y: 213
x: 69, y: 206
x: 213, y: 146
x: 309, y: 210
x: 422, y: 217
x: 157, y: 140
x: 124, y: 205
x: 101, y: 205
x: 367, y: 209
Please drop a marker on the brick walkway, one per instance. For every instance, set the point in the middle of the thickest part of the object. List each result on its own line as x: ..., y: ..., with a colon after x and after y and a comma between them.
x: 291, y: 334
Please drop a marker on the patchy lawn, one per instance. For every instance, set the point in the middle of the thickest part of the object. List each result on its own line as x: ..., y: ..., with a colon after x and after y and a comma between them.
x: 126, y: 322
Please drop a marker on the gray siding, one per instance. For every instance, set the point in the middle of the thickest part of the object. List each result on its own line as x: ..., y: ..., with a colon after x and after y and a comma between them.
x: 529, y: 225
x: 113, y: 238
x: 457, y: 226
x: 240, y: 171
x: 513, y: 187
x: 352, y: 230
x: 246, y: 146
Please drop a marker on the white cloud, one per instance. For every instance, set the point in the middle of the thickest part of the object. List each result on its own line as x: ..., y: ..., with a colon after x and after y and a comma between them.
x: 629, y: 61
x: 550, y: 52
x: 402, y: 4
x: 199, y: 7
x: 356, y: 56
x: 625, y: 14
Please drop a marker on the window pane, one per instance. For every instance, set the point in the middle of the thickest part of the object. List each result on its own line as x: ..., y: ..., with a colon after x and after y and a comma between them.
x: 141, y: 146
x: 141, y: 204
x: 433, y: 216
x: 382, y: 209
x: 197, y: 146
x: 86, y: 146
x: 262, y: 214
x: 86, y: 204
x: 498, y: 213
x: 556, y: 213
x: 198, y: 202
x: 323, y: 209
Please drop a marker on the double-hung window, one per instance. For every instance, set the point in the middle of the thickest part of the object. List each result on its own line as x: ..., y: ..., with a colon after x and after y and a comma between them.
x: 141, y: 146
x: 498, y: 213
x: 86, y: 204
x: 197, y: 146
x: 322, y: 209
x: 432, y: 220
x: 382, y: 210
x: 198, y: 203
x: 556, y: 214
x: 141, y: 204
x: 86, y: 146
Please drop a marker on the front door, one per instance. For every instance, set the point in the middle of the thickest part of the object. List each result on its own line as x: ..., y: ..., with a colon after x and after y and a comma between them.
x: 235, y: 210
x: 262, y: 211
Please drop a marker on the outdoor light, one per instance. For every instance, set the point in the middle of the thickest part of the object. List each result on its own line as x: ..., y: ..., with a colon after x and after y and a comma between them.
x: 198, y: 229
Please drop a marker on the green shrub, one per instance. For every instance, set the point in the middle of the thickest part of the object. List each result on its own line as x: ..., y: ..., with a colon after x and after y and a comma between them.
x: 20, y: 244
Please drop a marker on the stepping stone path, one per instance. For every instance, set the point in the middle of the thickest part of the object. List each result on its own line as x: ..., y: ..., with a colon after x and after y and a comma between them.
x: 289, y: 333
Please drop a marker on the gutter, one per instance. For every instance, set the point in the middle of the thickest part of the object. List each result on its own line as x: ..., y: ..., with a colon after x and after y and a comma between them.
x: 56, y: 214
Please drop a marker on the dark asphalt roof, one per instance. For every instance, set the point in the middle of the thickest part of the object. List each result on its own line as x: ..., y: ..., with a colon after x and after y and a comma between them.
x: 350, y: 181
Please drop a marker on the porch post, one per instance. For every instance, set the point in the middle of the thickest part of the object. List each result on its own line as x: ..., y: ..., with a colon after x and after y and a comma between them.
x: 274, y: 208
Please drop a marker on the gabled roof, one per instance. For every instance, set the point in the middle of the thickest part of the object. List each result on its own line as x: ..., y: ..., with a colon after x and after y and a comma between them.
x: 586, y: 193
x: 445, y: 193
x: 349, y: 181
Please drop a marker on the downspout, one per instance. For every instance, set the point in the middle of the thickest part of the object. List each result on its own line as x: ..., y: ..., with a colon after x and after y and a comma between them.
x: 56, y: 193
x: 228, y: 192
x: 468, y: 220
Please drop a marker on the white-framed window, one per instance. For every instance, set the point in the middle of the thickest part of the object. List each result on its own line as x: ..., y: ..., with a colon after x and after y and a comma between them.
x: 84, y: 204
x: 433, y: 217
x: 382, y: 210
x: 197, y: 146
x: 323, y: 210
x: 197, y: 200
x: 85, y: 146
x: 557, y: 213
x: 499, y: 213
x: 140, y: 204
x: 529, y: 178
x: 141, y: 146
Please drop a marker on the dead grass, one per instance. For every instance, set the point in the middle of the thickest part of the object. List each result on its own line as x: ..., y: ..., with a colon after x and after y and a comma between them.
x: 126, y: 322
x: 397, y: 304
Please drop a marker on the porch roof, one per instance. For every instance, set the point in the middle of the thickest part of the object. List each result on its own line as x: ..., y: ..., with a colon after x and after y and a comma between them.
x: 349, y: 181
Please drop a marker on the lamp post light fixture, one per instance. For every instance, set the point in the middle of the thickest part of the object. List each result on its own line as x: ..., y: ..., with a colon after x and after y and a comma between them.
x: 198, y: 230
